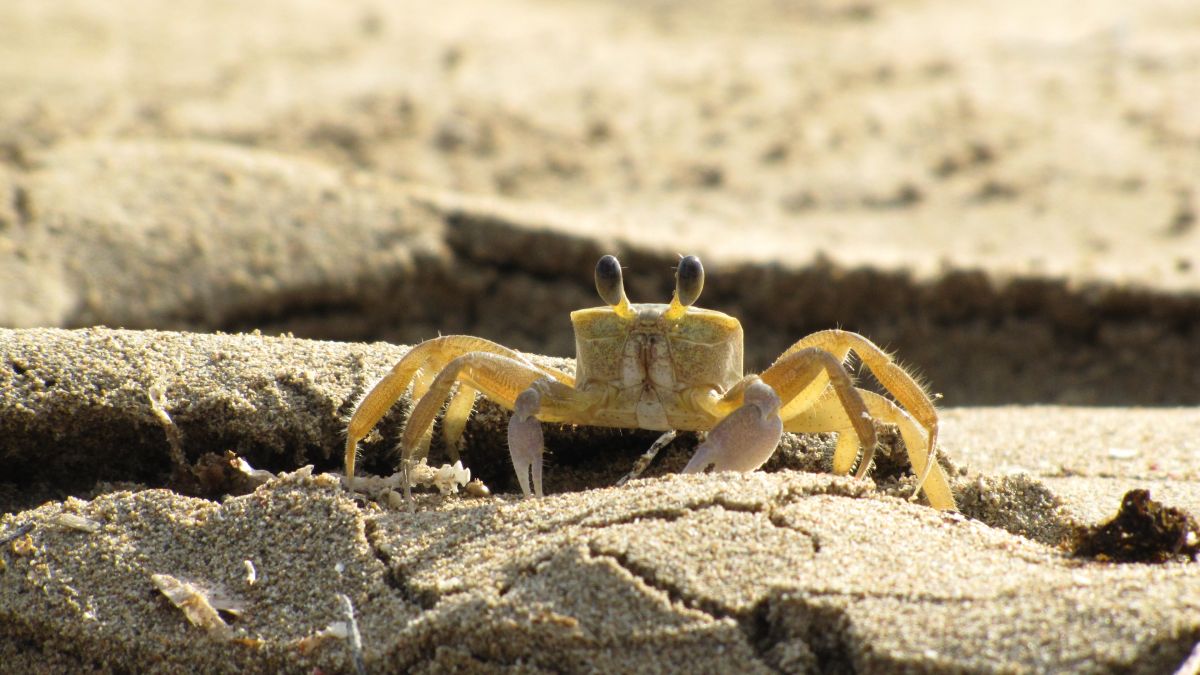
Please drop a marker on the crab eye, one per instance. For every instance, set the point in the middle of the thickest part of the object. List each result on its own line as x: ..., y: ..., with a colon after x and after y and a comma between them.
x: 608, y: 280
x: 689, y: 280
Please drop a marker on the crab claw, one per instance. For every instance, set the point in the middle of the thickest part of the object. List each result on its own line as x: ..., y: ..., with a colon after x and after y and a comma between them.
x: 746, y: 438
x: 525, y: 441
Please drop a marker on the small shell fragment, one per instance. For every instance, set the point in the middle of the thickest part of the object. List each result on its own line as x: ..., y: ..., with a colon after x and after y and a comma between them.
x: 256, y: 476
x: 251, y: 573
x: 1122, y: 453
x: 72, y: 521
x: 446, y: 478
x: 450, y: 477
x: 252, y: 643
x: 477, y: 488
x: 201, y: 606
x: 338, y: 630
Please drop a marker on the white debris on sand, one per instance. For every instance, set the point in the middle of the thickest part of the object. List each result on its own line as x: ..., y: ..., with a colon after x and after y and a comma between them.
x: 447, y: 478
x: 201, y: 606
x: 73, y: 521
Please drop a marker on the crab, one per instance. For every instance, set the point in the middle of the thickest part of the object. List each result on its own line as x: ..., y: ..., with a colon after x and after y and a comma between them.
x: 663, y: 367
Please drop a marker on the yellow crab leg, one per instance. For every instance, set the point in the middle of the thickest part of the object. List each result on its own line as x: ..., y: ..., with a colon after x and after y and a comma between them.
x: 936, y: 484
x: 419, y: 364
x: 517, y: 385
x: 454, y: 420
x: 801, y: 378
x: 827, y: 414
x: 898, y: 381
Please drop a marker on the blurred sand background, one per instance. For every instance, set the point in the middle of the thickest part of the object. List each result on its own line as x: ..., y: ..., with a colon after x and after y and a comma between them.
x: 1005, y: 193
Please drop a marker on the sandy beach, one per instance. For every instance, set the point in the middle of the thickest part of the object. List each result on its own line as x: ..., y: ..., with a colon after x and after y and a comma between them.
x: 221, y: 223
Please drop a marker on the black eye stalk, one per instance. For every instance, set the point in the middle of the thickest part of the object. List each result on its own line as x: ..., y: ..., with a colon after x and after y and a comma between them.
x: 609, y: 282
x: 689, y: 281
x: 611, y: 286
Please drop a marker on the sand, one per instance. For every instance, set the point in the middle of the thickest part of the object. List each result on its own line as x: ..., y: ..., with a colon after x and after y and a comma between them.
x: 1005, y: 194
x: 793, y: 570
x: 266, y: 201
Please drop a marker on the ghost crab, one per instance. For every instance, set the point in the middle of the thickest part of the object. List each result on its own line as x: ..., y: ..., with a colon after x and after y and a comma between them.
x: 665, y: 368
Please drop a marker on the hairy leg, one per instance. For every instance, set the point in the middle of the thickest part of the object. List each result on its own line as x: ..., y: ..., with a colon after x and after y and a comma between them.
x: 417, y: 367
x: 895, y: 379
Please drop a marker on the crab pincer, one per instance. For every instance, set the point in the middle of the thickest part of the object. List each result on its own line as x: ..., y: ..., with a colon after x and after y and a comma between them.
x: 746, y: 438
x: 525, y: 442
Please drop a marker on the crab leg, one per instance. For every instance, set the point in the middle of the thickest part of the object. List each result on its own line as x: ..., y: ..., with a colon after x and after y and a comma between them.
x: 924, y: 464
x: 500, y: 378
x: 454, y: 420
x: 802, y: 378
x: 647, y: 457
x: 515, y: 384
x: 898, y: 381
x: 829, y: 415
x: 417, y: 368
